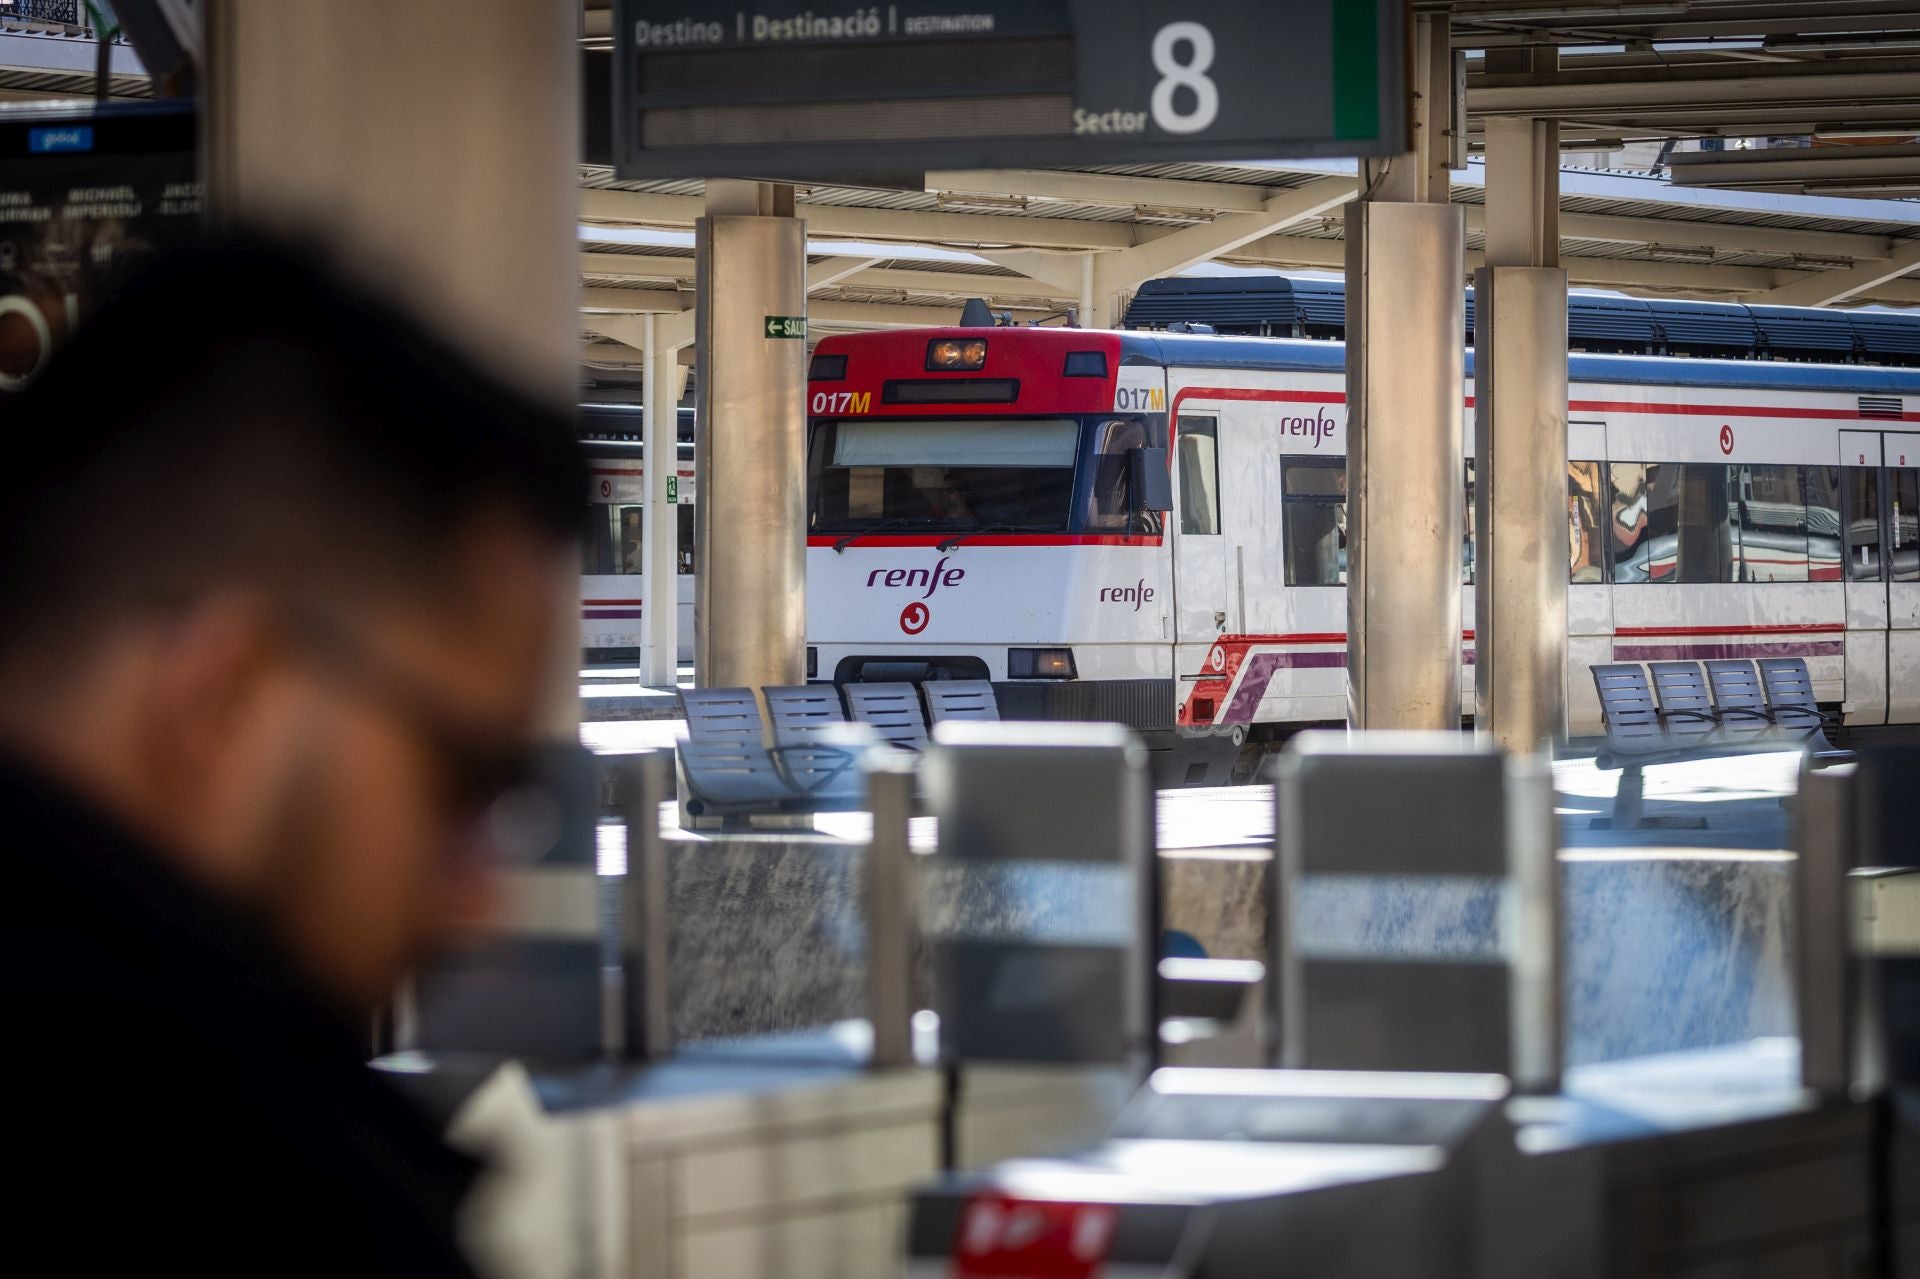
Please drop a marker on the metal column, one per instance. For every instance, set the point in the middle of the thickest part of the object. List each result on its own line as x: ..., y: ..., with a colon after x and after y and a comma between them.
x: 750, y: 600
x: 1405, y: 440
x: 1520, y: 444
x: 660, y: 537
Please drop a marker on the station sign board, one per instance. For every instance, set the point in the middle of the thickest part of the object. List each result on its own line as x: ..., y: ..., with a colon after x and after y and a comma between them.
x: 85, y: 198
x: 805, y: 88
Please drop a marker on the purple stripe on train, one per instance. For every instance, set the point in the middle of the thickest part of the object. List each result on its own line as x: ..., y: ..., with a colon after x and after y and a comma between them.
x: 1707, y: 652
x: 1258, y: 673
x: 602, y: 614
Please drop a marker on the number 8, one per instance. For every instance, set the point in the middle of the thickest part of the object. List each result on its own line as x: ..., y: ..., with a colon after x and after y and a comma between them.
x: 1191, y: 74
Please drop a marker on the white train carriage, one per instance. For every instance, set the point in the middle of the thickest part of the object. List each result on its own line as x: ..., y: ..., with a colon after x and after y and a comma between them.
x: 611, y: 599
x: 971, y: 514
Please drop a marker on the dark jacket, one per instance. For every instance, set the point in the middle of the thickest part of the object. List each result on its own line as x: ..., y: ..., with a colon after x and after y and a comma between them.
x: 171, y: 1099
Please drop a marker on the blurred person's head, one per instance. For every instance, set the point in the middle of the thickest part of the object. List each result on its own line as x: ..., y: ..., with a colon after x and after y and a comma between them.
x: 282, y: 580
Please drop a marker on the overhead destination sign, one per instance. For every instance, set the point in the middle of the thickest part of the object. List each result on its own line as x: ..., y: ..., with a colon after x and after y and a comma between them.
x: 777, y: 88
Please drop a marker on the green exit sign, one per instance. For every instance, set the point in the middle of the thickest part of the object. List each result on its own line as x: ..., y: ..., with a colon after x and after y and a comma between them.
x: 673, y: 489
x: 786, y: 326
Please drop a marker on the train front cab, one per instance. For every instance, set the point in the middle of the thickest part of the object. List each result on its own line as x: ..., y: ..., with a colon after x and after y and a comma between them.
x: 981, y: 505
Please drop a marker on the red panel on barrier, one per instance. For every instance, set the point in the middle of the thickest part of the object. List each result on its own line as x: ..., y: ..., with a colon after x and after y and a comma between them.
x: 1005, y: 1238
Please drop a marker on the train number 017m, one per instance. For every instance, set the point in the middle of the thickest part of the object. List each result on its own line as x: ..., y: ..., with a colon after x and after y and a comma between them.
x: 843, y: 401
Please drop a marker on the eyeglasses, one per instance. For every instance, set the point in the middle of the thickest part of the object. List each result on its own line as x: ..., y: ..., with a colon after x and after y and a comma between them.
x: 475, y: 774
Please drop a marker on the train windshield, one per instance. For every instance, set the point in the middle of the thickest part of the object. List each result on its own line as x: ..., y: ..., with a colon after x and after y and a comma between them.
x: 943, y: 474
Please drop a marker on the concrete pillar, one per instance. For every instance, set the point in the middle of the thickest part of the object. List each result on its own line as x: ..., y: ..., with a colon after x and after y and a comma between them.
x: 1405, y: 440
x: 433, y: 152
x: 750, y: 601
x: 660, y: 535
x: 1520, y: 440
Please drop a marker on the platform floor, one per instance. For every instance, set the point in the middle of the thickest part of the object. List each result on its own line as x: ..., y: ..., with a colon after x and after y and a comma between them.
x: 1739, y: 798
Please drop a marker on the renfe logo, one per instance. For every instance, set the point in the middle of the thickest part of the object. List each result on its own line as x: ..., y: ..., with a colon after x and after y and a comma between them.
x: 933, y: 579
x: 1319, y: 426
x: 1137, y: 595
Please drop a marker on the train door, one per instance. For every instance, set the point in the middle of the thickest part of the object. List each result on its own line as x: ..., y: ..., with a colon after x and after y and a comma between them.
x: 1880, y: 511
x: 1199, y: 547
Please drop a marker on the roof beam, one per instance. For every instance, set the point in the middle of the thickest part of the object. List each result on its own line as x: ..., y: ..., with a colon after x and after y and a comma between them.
x: 1110, y: 190
x: 878, y: 315
x: 628, y: 330
x: 844, y: 222
x: 1171, y: 254
x: 830, y: 271
x: 1815, y: 90
x: 634, y: 301
x: 1733, y: 238
x: 1026, y: 239
x: 1824, y: 288
x: 961, y: 284
x: 636, y: 266
x: 1057, y: 275
x: 649, y: 266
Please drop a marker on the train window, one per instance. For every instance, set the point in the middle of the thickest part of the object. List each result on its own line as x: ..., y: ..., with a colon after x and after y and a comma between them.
x: 613, y: 541
x: 1903, y: 524
x: 1860, y: 485
x: 943, y: 475
x: 1641, y: 524
x: 1199, y: 446
x: 685, y: 547
x: 1670, y: 523
x: 1823, y: 523
x: 1769, y: 509
x: 1313, y: 521
x: 1587, y: 549
x: 1110, y: 507
x: 1706, y: 550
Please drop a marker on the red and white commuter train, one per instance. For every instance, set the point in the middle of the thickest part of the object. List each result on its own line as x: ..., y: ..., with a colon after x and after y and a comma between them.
x: 970, y: 515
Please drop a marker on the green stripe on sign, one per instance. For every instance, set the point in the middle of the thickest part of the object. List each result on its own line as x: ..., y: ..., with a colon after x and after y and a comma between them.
x: 1356, y: 68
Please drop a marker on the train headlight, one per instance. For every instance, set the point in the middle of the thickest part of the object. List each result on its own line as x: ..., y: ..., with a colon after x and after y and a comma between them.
x: 956, y: 355
x: 1040, y: 663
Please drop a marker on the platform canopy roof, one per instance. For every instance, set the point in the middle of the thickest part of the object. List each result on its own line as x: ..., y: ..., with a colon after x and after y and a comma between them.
x: 1821, y: 224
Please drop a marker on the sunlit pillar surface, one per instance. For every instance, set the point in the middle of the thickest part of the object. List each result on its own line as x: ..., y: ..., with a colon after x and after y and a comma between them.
x: 1405, y: 438
x: 750, y: 598
x: 1520, y: 444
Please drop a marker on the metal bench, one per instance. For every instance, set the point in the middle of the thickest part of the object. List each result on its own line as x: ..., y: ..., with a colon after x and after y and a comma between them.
x: 1795, y: 712
x: 1638, y: 735
x: 723, y: 715
x: 967, y: 699
x: 728, y: 772
x: 893, y: 710
x: 803, y: 714
x: 1686, y: 705
x: 1740, y: 700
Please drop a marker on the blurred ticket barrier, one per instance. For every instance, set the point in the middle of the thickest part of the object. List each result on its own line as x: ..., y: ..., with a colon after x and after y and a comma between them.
x: 1418, y: 954
x: 1426, y: 1126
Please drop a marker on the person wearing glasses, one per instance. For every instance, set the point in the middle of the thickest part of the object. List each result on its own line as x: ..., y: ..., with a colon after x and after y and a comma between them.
x: 247, y: 758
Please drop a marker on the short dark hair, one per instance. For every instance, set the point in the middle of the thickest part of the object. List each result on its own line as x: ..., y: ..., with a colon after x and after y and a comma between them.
x: 239, y: 413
